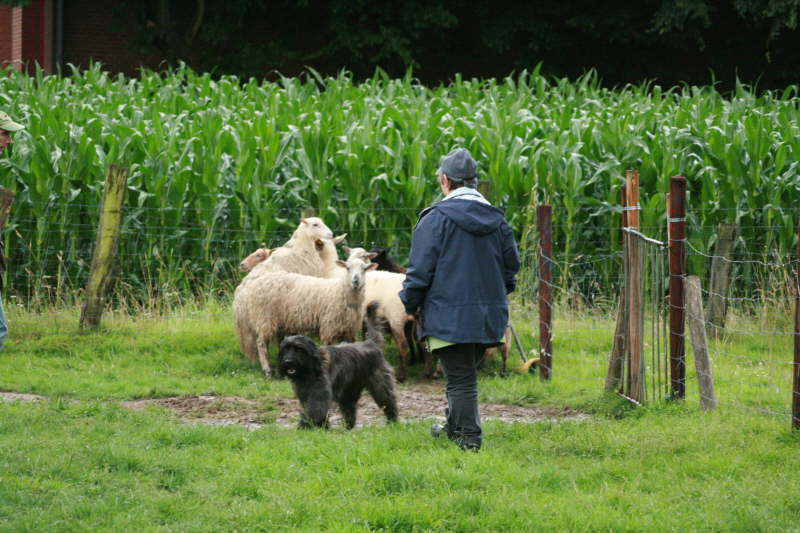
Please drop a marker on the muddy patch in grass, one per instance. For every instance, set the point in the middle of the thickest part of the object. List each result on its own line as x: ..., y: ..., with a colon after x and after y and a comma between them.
x: 415, y: 402
x: 212, y: 410
x: 19, y: 397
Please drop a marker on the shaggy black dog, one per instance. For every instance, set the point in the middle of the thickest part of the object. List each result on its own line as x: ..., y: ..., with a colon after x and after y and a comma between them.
x: 321, y: 375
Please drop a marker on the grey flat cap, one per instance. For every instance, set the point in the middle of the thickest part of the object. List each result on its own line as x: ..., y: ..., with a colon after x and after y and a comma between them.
x: 458, y: 165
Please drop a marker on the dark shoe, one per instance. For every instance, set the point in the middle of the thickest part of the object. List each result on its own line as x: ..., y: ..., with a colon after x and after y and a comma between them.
x: 439, y: 430
x: 469, y: 446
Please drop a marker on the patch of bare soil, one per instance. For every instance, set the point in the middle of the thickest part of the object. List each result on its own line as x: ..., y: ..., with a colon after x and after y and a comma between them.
x: 415, y: 402
x: 18, y: 397
x: 212, y: 410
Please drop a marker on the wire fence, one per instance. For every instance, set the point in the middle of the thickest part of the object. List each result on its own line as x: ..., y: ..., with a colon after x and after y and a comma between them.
x: 751, y: 353
x: 751, y: 350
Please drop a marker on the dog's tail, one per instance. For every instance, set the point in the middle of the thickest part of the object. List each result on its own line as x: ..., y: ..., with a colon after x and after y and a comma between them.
x: 375, y: 325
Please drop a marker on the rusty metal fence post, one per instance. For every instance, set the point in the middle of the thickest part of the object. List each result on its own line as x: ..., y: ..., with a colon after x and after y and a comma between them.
x: 545, y: 223
x: 677, y: 272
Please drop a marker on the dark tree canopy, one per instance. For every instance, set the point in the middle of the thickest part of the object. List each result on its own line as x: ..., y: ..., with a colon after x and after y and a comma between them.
x: 668, y: 41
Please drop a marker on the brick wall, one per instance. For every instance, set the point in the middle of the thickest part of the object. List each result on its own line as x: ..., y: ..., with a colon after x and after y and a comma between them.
x: 16, y: 37
x: 89, y: 35
x: 33, y: 35
x: 5, y: 35
x: 26, y: 35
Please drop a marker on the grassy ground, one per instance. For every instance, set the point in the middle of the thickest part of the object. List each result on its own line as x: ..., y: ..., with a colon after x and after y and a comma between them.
x: 81, y: 461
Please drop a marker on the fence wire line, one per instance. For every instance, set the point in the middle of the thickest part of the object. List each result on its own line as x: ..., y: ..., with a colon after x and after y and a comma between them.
x: 235, y: 195
x: 742, y: 261
x: 561, y: 264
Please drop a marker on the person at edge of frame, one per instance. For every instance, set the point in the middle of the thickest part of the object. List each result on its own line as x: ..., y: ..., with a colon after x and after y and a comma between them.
x: 463, y: 265
x: 7, y: 127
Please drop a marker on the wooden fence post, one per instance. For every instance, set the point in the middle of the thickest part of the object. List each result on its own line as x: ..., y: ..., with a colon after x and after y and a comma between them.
x: 544, y: 219
x: 720, y: 277
x: 635, y: 345
x: 677, y: 271
x: 796, y: 368
x: 697, y: 325
x: 617, y: 357
x: 105, y: 249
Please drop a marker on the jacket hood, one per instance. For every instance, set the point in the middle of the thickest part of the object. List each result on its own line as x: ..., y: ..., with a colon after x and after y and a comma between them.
x: 474, y: 217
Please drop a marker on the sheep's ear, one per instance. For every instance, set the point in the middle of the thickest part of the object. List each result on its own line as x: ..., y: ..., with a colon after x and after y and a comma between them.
x: 341, y: 263
x: 304, y: 221
x: 347, y: 249
x: 372, y: 266
x: 340, y: 238
x: 372, y: 256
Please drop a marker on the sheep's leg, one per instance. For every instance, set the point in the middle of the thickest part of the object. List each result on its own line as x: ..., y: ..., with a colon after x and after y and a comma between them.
x: 504, y: 353
x: 402, y: 350
x: 413, y: 347
x: 263, y: 356
x: 430, y: 360
x: 438, y: 373
x: 433, y: 368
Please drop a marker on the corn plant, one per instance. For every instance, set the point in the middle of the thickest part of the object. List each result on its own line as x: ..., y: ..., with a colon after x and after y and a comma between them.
x: 220, y: 166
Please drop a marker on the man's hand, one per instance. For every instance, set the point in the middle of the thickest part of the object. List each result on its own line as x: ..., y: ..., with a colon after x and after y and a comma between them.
x: 410, y: 317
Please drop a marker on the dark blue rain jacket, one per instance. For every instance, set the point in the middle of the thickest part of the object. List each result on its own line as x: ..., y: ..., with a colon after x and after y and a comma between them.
x: 463, y: 263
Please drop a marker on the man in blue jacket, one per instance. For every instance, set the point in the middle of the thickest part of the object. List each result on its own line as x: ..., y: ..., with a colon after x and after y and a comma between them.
x: 463, y: 263
x: 7, y: 127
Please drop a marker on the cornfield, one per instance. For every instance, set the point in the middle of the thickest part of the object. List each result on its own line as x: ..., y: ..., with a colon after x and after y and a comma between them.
x: 219, y: 166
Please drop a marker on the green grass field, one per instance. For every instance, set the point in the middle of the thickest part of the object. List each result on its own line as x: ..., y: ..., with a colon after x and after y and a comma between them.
x: 80, y: 461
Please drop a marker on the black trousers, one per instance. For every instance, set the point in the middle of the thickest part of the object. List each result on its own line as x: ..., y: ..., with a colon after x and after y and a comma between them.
x: 460, y: 365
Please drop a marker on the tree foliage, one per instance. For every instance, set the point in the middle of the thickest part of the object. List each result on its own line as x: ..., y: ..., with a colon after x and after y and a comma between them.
x: 664, y: 40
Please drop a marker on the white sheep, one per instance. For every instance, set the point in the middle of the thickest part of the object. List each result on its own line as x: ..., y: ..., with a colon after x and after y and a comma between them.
x: 300, y: 254
x: 275, y: 304
x: 249, y: 262
x: 383, y: 287
x: 326, y: 249
x: 328, y: 255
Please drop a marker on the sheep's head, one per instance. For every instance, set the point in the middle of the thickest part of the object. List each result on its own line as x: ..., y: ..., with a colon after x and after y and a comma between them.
x: 253, y: 259
x: 358, y: 253
x: 327, y: 247
x: 316, y: 228
x: 356, y: 268
x: 381, y: 254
